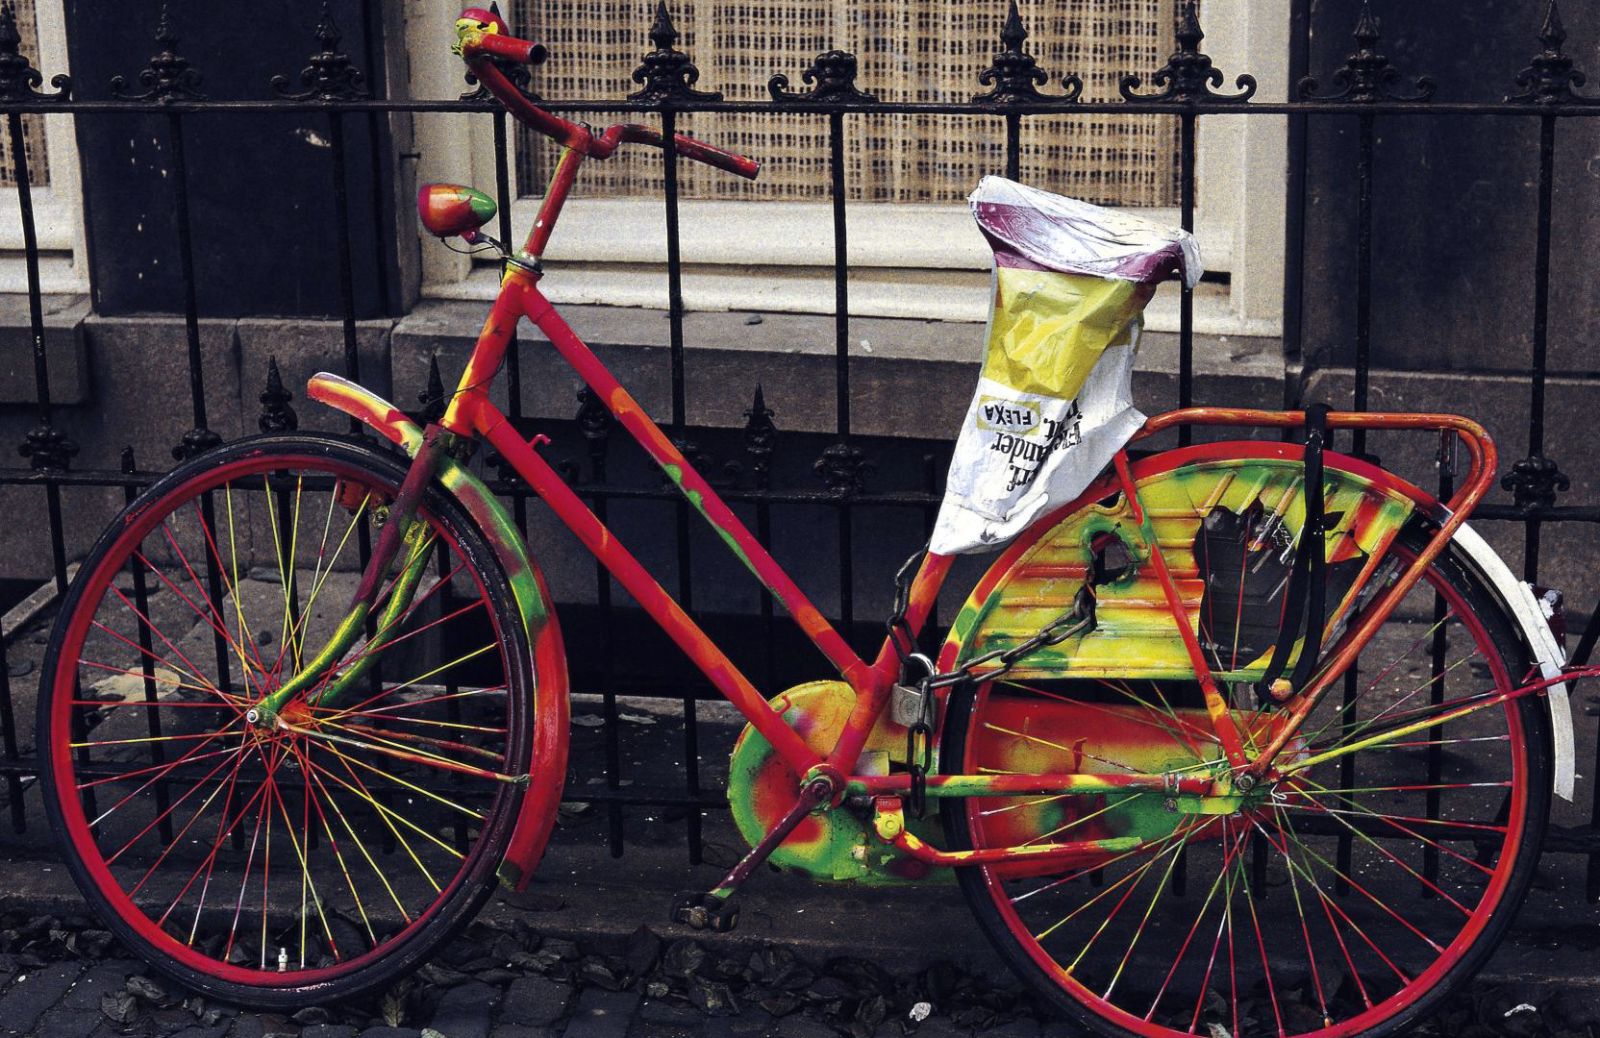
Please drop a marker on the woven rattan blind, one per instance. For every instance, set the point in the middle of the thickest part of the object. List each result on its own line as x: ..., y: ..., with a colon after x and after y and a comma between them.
x: 32, y: 125
x: 908, y: 50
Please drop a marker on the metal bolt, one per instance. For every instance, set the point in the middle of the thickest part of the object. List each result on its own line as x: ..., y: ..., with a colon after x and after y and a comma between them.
x: 1171, y: 804
x: 253, y: 716
x: 1244, y: 783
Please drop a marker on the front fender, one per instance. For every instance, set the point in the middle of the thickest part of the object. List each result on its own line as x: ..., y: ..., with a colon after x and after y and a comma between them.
x: 551, y: 709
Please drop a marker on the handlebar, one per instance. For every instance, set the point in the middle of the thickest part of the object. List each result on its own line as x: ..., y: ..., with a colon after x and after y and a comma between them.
x: 480, y: 48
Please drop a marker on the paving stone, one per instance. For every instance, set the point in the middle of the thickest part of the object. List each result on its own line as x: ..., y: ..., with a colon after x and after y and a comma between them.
x: 26, y: 1000
x: 666, y: 1011
x: 602, y: 1014
x: 645, y: 1029
x: 749, y: 1024
x: 62, y: 1022
x: 519, y: 1031
x: 534, y: 1002
x: 389, y: 1032
x: 466, y: 1010
x: 797, y: 1026
x: 197, y: 1031
x: 103, y: 978
x: 1021, y: 1027
x: 328, y: 1031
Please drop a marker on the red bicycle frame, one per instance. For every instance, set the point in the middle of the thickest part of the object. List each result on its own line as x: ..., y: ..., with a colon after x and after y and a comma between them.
x: 472, y: 415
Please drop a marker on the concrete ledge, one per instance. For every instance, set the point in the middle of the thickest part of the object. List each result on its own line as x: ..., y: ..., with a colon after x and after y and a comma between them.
x: 63, y: 343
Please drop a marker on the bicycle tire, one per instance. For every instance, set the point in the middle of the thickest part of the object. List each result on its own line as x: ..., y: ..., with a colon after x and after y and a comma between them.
x: 353, y: 820
x: 1085, y: 989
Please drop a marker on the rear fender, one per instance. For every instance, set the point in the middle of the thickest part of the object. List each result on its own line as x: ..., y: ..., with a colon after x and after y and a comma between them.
x: 1035, y: 578
x: 551, y: 709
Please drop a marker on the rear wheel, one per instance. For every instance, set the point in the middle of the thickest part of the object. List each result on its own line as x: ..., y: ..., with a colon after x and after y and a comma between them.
x: 1349, y: 897
x: 329, y: 852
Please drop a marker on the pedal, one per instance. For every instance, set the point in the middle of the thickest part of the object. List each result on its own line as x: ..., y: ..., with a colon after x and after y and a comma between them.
x: 699, y: 911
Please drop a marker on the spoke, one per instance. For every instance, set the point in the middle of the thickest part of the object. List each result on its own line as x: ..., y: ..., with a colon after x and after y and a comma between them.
x: 1120, y: 802
x: 124, y: 776
x: 390, y: 738
x: 409, y: 703
x: 221, y: 569
x: 1394, y: 822
x: 1216, y: 885
x: 209, y: 614
x: 370, y: 648
x: 402, y: 782
x: 245, y: 635
x: 474, y: 654
x: 399, y: 753
x: 192, y: 673
x: 225, y: 824
x: 188, y: 757
x: 385, y: 813
x: 255, y: 840
x: 195, y: 817
x: 313, y: 776
x: 321, y: 575
x: 1331, y: 906
x: 1145, y: 920
x: 1261, y: 945
x: 1156, y: 853
x: 1305, y: 927
x: 305, y: 880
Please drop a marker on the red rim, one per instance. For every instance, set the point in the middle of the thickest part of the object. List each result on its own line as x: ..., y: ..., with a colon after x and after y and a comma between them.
x: 1489, y: 899
x: 77, y: 828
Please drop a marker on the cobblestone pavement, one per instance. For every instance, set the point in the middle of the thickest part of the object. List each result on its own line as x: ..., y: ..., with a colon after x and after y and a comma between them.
x: 61, y: 978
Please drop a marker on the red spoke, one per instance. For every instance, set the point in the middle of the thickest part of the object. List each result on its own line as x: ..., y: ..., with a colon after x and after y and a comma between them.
x: 177, y: 838
x: 226, y: 697
x: 1227, y: 857
x: 158, y: 818
x: 222, y: 570
x: 255, y: 839
x: 224, y: 826
x: 123, y: 776
x: 213, y: 617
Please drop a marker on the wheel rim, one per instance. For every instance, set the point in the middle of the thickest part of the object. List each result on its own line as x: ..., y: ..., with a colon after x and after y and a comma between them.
x: 308, y: 850
x: 1327, y: 910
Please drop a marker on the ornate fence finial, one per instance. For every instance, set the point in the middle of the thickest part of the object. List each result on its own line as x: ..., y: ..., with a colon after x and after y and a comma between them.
x: 330, y: 77
x: 432, y: 396
x: 19, y: 80
x: 519, y: 74
x: 832, y: 77
x: 1188, y: 76
x: 1014, y: 77
x: 47, y: 447
x: 276, y: 414
x: 168, y: 77
x: 1534, y: 482
x: 196, y: 442
x: 844, y: 468
x: 595, y: 421
x: 1550, y: 77
x: 1367, y: 76
x: 666, y: 73
x: 760, y: 438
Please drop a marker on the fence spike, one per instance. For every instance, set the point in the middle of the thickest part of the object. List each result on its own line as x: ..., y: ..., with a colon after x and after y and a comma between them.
x: 276, y: 414
x: 667, y: 74
x: 19, y: 80
x: 329, y: 77
x: 1367, y: 76
x: 1189, y: 75
x: 1550, y: 77
x: 168, y: 77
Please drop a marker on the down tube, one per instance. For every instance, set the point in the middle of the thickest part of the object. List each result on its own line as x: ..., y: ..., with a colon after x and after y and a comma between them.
x: 646, y: 591
x: 700, y: 494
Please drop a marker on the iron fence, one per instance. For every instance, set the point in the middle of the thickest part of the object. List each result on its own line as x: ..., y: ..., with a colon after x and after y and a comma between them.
x: 1188, y: 88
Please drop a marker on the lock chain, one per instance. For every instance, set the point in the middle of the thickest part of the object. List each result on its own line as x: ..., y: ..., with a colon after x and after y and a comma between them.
x: 1078, y: 620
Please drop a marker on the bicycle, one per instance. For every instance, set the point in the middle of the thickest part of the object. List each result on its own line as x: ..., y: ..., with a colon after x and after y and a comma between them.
x: 1162, y: 817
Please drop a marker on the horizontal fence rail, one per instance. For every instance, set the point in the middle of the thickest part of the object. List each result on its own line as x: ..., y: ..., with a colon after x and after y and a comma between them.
x: 1188, y: 88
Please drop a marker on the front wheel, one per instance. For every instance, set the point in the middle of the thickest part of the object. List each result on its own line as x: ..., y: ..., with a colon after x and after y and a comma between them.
x: 330, y: 849
x: 1348, y: 898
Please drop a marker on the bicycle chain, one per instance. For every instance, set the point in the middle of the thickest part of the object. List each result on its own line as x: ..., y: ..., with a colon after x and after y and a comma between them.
x: 1080, y: 619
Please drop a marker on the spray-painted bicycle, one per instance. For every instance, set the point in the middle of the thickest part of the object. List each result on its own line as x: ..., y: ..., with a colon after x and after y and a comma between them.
x: 1208, y: 751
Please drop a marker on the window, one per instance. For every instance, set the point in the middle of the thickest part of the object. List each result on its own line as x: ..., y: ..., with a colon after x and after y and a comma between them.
x: 52, y: 169
x: 913, y: 252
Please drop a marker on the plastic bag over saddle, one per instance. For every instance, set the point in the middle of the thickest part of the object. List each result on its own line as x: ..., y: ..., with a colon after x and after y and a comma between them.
x: 1054, y: 398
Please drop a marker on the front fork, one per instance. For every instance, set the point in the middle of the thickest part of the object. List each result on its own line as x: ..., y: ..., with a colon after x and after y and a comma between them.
x: 403, y: 535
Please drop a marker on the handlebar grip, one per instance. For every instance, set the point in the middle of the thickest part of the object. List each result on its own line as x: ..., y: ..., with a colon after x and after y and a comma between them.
x: 712, y: 155
x: 497, y: 45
